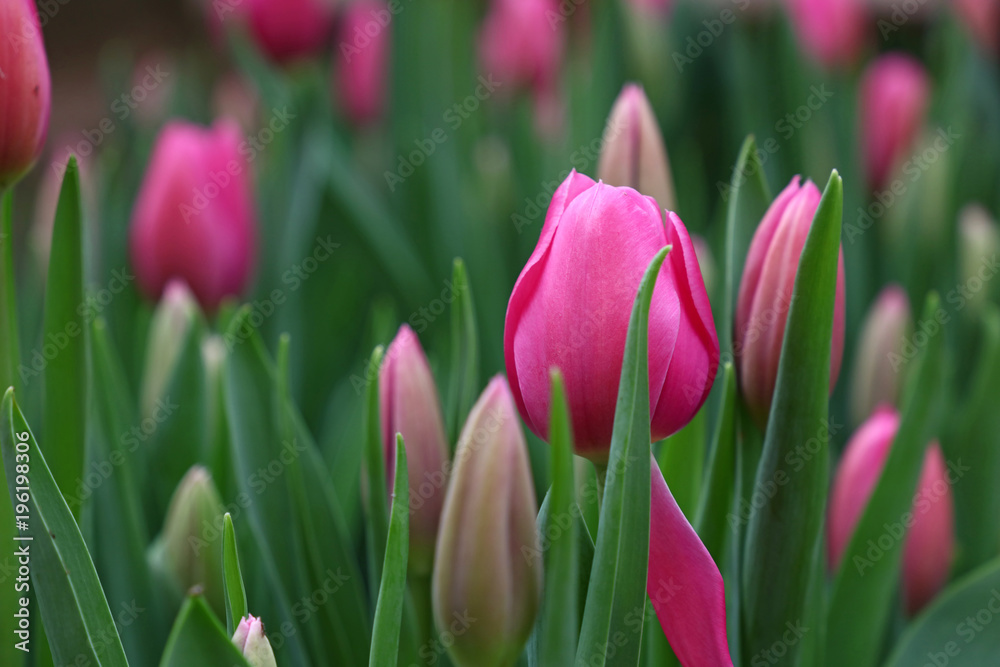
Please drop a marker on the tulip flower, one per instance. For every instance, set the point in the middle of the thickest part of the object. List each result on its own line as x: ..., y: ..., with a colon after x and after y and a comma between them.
x: 766, y: 292
x: 189, y: 550
x: 832, y: 32
x: 363, y: 60
x: 410, y: 405
x: 930, y: 536
x: 633, y: 152
x: 978, y: 245
x: 571, y: 305
x: 519, y: 44
x: 893, y: 100
x: 194, y: 218
x: 285, y: 30
x: 481, y: 577
x: 252, y: 642
x: 982, y: 19
x: 25, y: 90
x: 877, y: 375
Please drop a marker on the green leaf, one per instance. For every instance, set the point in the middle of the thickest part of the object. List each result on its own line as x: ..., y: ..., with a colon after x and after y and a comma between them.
x: 199, y: 640
x: 948, y: 632
x: 617, y: 594
x: 232, y: 579
x: 392, y: 591
x: 717, y: 496
x: 377, y: 525
x: 64, y: 424
x: 862, y: 592
x: 782, y: 537
x: 64, y: 581
x: 747, y: 200
x: 557, y: 627
x: 463, y: 386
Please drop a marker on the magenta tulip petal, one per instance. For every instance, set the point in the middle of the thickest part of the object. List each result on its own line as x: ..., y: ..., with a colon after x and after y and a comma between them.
x: 684, y: 584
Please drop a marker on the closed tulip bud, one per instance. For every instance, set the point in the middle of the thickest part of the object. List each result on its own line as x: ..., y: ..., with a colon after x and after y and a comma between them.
x: 633, y: 152
x: 363, y: 60
x: 930, y: 539
x: 978, y: 246
x: 253, y: 644
x: 982, y: 19
x: 189, y: 549
x: 766, y: 293
x: 519, y: 46
x: 285, y: 30
x: 173, y: 319
x: 893, y: 100
x: 832, y: 32
x: 25, y: 90
x: 555, y: 318
x: 410, y: 406
x: 878, y: 374
x: 194, y: 218
x: 481, y: 575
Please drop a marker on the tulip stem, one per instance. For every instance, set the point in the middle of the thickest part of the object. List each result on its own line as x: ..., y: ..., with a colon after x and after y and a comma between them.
x: 602, y: 473
x: 420, y: 591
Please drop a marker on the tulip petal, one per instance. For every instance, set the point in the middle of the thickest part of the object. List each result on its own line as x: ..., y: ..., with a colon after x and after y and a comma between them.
x: 684, y: 583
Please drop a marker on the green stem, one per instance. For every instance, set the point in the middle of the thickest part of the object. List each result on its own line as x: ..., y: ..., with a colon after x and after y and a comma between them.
x: 602, y: 474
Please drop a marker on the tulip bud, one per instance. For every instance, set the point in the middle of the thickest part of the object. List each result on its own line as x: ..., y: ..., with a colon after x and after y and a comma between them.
x: 766, y: 294
x: 893, y: 100
x: 930, y: 540
x: 410, y: 405
x: 285, y: 30
x: 556, y: 319
x: 519, y: 47
x: 982, y: 19
x: 173, y: 319
x: 832, y: 32
x: 979, y: 243
x: 877, y: 373
x: 633, y: 152
x: 481, y: 575
x: 189, y: 549
x: 194, y: 218
x: 25, y: 90
x: 252, y: 642
x: 363, y: 60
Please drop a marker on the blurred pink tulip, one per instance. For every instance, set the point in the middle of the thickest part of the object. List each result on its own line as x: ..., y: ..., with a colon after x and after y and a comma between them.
x: 982, y: 19
x: 194, y: 217
x: 930, y: 533
x: 832, y: 32
x: 571, y: 305
x: 877, y: 376
x: 25, y: 90
x: 893, y: 100
x: 766, y: 293
x: 410, y: 406
x: 283, y: 29
x: 521, y: 43
x: 363, y: 59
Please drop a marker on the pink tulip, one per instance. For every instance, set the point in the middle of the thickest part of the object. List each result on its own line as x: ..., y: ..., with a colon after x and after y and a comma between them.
x: 766, y: 293
x: 363, y: 60
x: 571, y: 306
x: 25, y: 90
x: 832, y: 32
x: 252, y: 642
x: 930, y: 540
x: 982, y: 19
x: 410, y: 406
x: 894, y: 94
x: 194, y: 218
x: 520, y: 45
x: 283, y: 29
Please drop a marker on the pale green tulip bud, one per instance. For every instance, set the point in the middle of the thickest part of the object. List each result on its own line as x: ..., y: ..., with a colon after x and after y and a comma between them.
x: 880, y: 362
x: 253, y: 644
x: 173, y: 319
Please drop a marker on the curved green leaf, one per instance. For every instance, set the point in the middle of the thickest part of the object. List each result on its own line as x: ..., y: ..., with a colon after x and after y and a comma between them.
x: 463, y: 386
x: 199, y: 640
x: 232, y: 578
x: 392, y: 591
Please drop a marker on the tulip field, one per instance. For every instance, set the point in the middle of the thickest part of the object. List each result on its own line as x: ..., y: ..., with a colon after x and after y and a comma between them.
x: 500, y: 333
